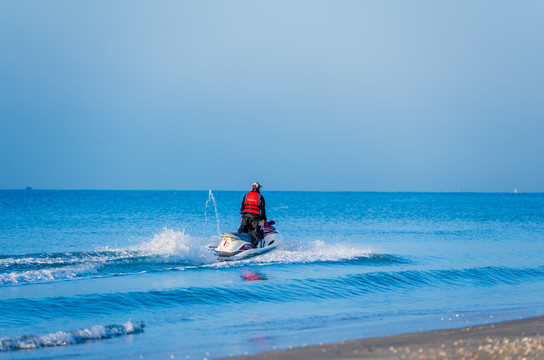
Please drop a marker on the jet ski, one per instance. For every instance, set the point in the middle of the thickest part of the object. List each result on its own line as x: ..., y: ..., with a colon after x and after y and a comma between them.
x: 235, y: 245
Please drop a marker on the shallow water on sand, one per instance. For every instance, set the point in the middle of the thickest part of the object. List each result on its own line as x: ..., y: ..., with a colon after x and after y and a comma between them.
x: 119, y: 274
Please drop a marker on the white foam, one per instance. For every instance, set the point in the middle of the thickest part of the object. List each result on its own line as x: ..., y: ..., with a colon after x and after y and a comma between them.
x: 315, y: 251
x: 63, y: 338
x: 49, y: 274
x: 32, y: 260
x: 292, y: 252
x: 64, y: 258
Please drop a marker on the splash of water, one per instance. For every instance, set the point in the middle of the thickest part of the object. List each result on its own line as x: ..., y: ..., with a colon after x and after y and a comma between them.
x: 212, y: 199
x: 167, y: 247
x: 176, y: 246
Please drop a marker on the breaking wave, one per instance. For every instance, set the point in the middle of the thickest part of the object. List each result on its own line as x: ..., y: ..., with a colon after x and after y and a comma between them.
x: 64, y: 338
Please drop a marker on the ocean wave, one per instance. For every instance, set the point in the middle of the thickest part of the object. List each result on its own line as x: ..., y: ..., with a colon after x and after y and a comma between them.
x: 64, y: 338
x: 309, y: 289
x: 45, y: 260
x: 167, y: 251
x: 50, y: 274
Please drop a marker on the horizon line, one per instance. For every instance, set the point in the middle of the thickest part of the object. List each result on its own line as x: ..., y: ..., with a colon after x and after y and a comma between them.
x: 515, y: 191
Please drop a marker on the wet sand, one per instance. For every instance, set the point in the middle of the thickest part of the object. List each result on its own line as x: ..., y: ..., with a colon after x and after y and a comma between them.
x: 518, y: 339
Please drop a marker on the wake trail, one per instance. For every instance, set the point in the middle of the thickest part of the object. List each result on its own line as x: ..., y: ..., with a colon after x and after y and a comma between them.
x: 167, y: 251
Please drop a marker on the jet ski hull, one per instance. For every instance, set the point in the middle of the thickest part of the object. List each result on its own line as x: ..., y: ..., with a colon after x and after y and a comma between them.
x: 242, y: 254
x: 236, y: 245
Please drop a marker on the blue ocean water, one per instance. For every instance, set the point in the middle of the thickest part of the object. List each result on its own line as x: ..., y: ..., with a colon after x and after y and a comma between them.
x: 127, y: 274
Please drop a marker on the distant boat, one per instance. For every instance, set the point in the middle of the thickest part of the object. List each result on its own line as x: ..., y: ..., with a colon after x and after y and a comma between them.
x: 28, y: 188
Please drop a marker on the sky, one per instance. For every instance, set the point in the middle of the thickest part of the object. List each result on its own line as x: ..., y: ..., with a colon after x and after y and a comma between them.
x: 314, y: 95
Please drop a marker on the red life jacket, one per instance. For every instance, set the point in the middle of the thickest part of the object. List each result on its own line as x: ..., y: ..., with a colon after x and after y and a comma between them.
x: 251, y: 204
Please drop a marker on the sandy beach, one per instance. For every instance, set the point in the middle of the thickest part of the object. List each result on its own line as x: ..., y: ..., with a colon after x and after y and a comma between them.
x: 518, y: 339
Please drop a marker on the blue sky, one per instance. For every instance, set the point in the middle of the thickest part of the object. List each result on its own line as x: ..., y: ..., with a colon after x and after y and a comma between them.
x: 298, y: 95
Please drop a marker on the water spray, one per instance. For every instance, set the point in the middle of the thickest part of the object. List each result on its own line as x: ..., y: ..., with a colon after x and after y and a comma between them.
x: 212, y: 199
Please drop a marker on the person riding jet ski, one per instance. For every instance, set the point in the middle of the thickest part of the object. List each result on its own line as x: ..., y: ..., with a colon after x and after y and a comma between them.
x: 253, y: 210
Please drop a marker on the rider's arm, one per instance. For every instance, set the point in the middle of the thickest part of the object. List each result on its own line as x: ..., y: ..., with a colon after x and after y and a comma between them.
x: 263, y: 211
x: 243, y: 202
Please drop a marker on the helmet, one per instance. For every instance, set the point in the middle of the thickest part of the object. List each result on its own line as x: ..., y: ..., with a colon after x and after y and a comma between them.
x: 256, y: 185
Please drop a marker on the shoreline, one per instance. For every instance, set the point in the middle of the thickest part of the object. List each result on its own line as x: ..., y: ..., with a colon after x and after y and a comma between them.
x: 514, y: 339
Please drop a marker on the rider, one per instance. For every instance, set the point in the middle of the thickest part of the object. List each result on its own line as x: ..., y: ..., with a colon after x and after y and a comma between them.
x: 252, y: 211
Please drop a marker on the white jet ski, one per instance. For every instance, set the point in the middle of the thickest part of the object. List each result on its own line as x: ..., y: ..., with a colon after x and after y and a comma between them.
x: 236, y: 245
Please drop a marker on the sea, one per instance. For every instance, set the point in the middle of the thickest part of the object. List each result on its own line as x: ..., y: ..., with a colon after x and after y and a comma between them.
x: 129, y: 274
